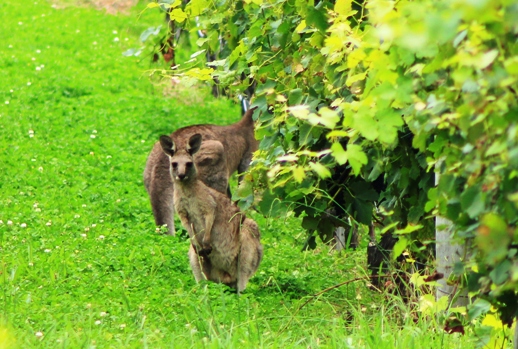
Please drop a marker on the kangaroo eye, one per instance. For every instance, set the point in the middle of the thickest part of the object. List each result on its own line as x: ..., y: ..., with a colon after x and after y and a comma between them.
x: 174, y: 165
x: 188, y: 164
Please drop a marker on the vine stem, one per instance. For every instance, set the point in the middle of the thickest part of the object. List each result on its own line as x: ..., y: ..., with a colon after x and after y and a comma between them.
x: 363, y: 278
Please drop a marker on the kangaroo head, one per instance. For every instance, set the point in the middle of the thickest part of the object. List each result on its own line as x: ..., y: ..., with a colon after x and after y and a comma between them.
x: 181, y: 159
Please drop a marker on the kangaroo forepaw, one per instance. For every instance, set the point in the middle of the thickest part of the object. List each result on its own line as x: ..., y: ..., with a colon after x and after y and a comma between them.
x: 205, y: 251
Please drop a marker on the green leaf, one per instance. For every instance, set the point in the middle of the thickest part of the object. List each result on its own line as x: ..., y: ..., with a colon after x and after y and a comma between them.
x: 339, y: 153
x: 363, y: 211
x: 148, y: 32
x: 472, y: 201
x: 317, y: 18
x: 500, y: 274
x: 399, y: 247
x: 322, y: 171
x: 295, y: 96
x: 357, y: 158
x: 479, y: 307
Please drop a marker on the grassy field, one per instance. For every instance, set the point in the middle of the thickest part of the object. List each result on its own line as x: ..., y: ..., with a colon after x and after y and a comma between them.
x: 81, y: 263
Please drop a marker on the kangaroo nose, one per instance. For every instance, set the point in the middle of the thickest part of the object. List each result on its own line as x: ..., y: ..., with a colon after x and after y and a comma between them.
x: 181, y: 176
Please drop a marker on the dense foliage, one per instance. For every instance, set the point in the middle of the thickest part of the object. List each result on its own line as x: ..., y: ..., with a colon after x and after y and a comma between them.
x: 363, y: 102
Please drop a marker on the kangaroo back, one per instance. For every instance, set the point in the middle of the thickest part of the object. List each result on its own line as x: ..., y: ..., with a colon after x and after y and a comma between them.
x: 215, y: 162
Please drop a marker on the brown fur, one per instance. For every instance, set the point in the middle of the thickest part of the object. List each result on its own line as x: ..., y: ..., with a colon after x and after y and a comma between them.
x: 225, y: 245
x: 215, y: 163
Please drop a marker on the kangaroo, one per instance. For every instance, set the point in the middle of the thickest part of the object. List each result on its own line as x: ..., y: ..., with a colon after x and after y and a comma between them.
x: 225, y: 244
x: 215, y: 163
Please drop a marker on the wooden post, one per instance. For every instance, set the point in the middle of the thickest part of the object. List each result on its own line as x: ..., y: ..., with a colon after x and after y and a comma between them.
x: 447, y: 254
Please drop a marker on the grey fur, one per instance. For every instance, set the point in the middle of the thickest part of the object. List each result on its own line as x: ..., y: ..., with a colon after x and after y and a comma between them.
x: 215, y: 163
x: 225, y: 244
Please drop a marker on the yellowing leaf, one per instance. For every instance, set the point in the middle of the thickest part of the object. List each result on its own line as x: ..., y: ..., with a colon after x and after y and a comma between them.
x: 298, y: 174
x: 343, y: 7
x: 195, y: 7
x: 299, y: 111
x: 302, y: 25
x: 486, y: 59
x: 200, y: 74
x: 288, y: 157
x: 354, y: 78
x: 322, y: 171
x: 178, y: 15
x: 492, y: 321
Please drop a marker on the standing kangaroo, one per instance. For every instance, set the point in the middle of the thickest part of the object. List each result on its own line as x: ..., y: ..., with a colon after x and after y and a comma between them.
x: 215, y: 162
x: 225, y: 245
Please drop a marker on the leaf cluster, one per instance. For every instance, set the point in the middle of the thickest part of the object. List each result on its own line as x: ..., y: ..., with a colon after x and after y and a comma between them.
x: 362, y: 104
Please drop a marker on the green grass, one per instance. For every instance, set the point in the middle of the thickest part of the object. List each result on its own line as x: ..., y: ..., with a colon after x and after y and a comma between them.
x: 81, y: 265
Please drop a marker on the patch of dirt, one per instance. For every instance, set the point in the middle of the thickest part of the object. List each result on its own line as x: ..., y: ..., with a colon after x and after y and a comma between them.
x: 111, y: 6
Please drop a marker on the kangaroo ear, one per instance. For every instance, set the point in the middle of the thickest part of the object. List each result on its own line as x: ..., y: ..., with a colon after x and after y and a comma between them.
x: 194, y: 144
x: 168, y: 145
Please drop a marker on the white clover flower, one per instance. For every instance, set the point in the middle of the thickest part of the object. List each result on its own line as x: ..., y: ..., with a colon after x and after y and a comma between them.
x: 20, y: 23
x: 48, y: 224
x: 92, y: 136
x: 29, y: 83
x: 94, y: 225
x: 122, y: 326
x: 40, y: 169
x: 23, y: 225
x: 101, y: 237
x: 38, y: 51
x: 1, y: 221
x: 47, y: 250
x: 83, y: 205
x: 87, y: 229
x: 38, y: 68
x: 9, y: 222
x: 83, y: 235
x: 116, y: 39
x: 39, y: 334
x: 77, y: 216
x: 103, y: 314
x: 6, y: 102
x: 94, y: 131
x: 98, y: 322
x: 114, y: 32
x: 95, y: 42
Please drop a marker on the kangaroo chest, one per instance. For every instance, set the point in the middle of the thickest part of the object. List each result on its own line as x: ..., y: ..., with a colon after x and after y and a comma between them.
x: 194, y: 208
